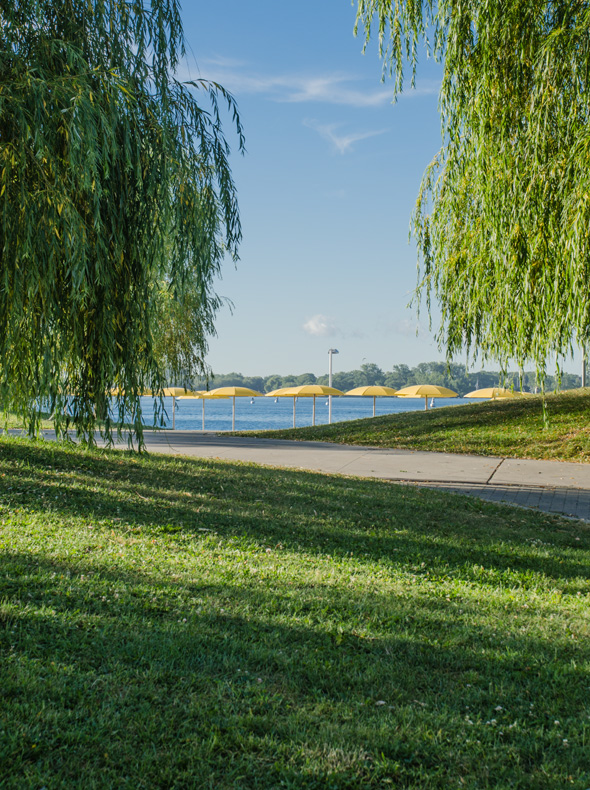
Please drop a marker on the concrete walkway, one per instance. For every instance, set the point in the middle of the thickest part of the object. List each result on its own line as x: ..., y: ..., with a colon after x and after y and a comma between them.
x: 551, y: 486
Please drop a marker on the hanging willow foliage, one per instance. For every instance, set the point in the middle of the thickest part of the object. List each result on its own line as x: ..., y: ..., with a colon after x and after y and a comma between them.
x: 116, y: 208
x: 503, y: 214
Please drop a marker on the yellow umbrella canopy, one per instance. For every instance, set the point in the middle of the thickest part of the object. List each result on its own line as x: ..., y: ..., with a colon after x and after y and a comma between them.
x: 496, y: 393
x: 167, y: 392
x: 201, y: 395
x: 280, y: 392
x: 304, y: 391
x: 193, y: 394
x: 516, y: 395
x: 375, y: 391
x: 311, y: 391
x: 283, y: 392
x: 426, y: 391
x: 314, y: 390
x: 119, y: 391
x: 173, y: 392
x: 234, y: 392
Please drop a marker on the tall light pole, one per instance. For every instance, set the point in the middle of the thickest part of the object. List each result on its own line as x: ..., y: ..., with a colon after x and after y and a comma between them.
x: 331, y: 352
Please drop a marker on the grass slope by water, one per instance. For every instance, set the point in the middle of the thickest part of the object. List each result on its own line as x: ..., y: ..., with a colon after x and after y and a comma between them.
x: 174, y: 623
x: 512, y: 428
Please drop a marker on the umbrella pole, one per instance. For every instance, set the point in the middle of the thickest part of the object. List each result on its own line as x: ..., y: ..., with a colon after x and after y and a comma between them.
x: 313, y: 421
x: 374, y: 399
x: 425, y: 404
x: 203, y: 413
x: 233, y: 415
x: 294, y: 399
x: 173, y: 412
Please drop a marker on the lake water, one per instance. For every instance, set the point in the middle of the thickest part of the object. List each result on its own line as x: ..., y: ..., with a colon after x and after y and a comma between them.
x: 264, y: 413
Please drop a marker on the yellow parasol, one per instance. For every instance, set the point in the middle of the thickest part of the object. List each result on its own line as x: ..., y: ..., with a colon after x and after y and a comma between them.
x: 234, y: 392
x: 496, y: 393
x: 283, y: 392
x: 375, y: 391
x: 426, y: 391
x: 119, y: 391
x: 310, y: 391
x: 201, y: 395
x: 173, y: 392
x: 277, y: 393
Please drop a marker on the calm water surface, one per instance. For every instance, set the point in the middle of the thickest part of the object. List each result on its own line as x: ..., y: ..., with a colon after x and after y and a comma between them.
x: 265, y: 413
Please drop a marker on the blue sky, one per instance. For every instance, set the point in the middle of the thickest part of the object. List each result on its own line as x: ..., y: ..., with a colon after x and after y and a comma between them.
x: 326, y: 189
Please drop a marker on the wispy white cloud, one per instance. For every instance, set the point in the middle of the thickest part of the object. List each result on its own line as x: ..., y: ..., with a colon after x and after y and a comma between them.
x: 335, y: 88
x: 320, y: 326
x: 343, y: 143
x: 406, y: 327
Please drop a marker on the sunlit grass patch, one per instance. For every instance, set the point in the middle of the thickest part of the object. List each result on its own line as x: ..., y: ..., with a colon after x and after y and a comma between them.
x: 166, y: 622
x: 512, y: 428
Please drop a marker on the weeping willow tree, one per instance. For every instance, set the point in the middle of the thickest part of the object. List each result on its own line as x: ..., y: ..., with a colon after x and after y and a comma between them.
x: 503, y: 213
x: 117, y: 207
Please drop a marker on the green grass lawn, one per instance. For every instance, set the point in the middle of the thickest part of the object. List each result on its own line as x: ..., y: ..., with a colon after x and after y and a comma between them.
x: 11, y: 421
x: 514, y: 429
x: 176, y: 623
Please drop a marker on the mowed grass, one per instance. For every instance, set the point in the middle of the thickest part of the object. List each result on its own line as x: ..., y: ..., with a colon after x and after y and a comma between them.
x: 511, y: 428
x: 176, y: 623
x: 11, y: 421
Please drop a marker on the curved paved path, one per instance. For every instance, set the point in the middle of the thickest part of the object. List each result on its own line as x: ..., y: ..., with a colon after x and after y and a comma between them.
x: 551, y: 486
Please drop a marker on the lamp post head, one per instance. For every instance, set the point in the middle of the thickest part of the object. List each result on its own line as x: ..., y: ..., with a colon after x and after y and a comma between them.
x: 333, y: 351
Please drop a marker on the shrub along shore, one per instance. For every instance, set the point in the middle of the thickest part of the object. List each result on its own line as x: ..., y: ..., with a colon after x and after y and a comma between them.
x: 169, y: 622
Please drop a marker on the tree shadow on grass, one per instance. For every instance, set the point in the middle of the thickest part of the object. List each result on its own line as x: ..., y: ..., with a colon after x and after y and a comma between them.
x: 242, y: 684
x: 427, y: 532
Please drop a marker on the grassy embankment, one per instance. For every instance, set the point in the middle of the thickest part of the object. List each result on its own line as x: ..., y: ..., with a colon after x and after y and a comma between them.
x: 174, y: 623
x: 512, y: 428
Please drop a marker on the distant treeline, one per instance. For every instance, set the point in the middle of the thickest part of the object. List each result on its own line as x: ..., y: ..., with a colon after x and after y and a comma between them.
x: 454, y: 376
